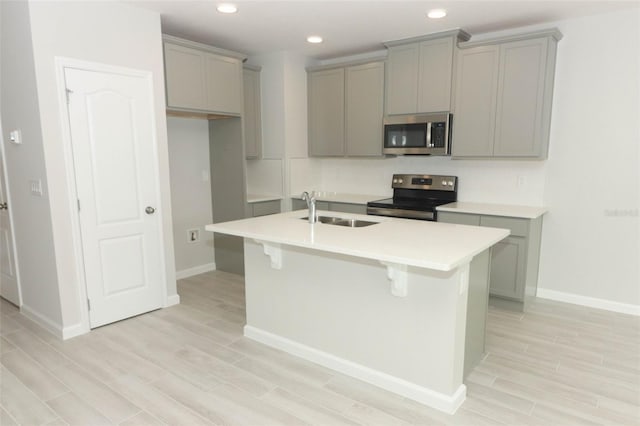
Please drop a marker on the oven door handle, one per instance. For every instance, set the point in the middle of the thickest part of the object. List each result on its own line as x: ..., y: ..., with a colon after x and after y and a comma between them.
x: 401, y: 213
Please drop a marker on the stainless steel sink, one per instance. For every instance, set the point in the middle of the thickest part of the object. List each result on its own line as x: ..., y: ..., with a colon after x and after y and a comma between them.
x: 351, y: 223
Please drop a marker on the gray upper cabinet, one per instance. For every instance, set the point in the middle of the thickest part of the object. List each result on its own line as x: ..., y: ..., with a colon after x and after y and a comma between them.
x: 402, y: 79
x: 252, y: 117
x: 345, y: 110
x: 364, y: 109
x: 504, y: 90
x: 201, y: 78
x: 419, y: 73
x: 475, y: 106
x: 224, y: 83
x: 326, y: 112
x: 185, y: 74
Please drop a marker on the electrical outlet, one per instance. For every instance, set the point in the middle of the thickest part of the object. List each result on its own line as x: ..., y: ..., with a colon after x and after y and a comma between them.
x: 193, y: 235
x: 36, y: 187
x: 521, y: 181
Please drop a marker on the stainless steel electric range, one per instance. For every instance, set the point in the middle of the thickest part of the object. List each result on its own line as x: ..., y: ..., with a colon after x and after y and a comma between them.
x: 416, y: 197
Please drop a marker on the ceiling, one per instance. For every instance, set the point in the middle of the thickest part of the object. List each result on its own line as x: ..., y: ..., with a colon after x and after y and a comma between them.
x: 352, y: 26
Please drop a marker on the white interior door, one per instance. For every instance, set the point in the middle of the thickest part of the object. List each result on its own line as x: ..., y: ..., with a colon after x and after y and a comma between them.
x: 9, y: 288
x: 113, y: 139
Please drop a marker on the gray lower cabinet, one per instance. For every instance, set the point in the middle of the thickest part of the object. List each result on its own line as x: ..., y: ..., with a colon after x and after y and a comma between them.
x: 514, y: 260
x: 345, y: 110
x: 504, y: 90
x: 297, y: 204
x: 348, y: 208
x: 264, y: 208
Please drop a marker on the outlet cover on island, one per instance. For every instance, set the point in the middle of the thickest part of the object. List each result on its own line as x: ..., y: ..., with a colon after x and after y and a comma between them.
x: 193, y: 235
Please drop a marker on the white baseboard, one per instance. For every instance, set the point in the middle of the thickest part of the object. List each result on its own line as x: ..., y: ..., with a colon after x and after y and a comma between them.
x: 201, y: 269
x: 42, y: 321
x: 592, y: 302
x: 447, y: 403
x: 174, y: 299
x: 74, y: 331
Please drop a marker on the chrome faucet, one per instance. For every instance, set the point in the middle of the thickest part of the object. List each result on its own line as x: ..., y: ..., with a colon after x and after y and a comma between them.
x: 311, y: 205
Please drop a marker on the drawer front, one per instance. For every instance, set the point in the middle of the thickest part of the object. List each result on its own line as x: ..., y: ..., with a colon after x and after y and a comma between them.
x: 266, y: 207
x: 459, y: 218
x: 519, y: 227
x: 298, y: 204
x: 348, y: 208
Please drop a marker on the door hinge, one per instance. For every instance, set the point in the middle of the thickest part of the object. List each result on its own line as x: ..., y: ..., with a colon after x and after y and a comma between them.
x: 88, y: 304
x: 69, y: 91
x: 78, y: 205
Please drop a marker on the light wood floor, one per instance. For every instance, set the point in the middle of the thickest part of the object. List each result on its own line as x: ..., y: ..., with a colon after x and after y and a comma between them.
x: 558, y: 364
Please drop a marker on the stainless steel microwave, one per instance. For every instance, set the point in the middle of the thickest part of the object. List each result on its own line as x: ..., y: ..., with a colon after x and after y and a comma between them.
x: 418, y: 134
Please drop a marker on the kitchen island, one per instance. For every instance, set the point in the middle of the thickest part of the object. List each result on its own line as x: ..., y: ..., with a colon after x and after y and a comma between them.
x: 400, y: 304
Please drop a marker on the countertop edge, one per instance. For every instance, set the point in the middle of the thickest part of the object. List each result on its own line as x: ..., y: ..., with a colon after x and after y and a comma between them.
x: 500, y: 234
x: 503, y: 210
x: 258, y: 198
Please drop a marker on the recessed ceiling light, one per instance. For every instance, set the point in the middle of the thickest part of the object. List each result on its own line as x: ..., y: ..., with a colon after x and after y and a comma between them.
x: 437, y: 13
x: 314, y: 39
x: 227, y: 8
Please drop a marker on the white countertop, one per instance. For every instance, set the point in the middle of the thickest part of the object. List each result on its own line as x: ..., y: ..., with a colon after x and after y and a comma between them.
x: 524, y: 212
x: 257, y: 198
x: 432, y: 245
x: 341, y: 197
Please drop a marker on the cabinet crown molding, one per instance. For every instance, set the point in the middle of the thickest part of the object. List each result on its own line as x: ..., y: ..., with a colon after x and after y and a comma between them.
x: 372, y: 60
x: 461, y: 35
x: 551, y: 32
x: 204, y: 47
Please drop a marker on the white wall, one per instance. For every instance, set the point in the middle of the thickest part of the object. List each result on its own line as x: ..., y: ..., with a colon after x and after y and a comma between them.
x: 190, y: 192
x: 102, y: 32
x: 264, y: 177
x: 591, y: 235
x: 483, y: 181
x: 31, y: 215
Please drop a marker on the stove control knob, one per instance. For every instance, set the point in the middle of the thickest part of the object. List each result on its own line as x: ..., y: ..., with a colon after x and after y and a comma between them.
x: 444, y: 182
x: 450, y: 183
x: 400, y: 181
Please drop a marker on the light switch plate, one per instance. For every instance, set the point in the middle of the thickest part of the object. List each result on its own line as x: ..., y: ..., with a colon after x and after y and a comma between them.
x: 36, y: 187
x: 15, y: 137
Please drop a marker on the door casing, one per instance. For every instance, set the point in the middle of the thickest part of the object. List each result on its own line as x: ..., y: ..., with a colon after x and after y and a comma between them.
x: 10, y: 214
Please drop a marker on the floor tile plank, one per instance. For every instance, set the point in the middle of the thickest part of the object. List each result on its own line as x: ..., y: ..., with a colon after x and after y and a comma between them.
x: 96, y: 393
x: 20, y: 403
x: 76, y: 411
x: 162, y: 406
x: 31, y: 374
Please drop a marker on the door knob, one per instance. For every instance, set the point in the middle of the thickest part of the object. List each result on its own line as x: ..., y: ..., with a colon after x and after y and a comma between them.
x: 149, y: 210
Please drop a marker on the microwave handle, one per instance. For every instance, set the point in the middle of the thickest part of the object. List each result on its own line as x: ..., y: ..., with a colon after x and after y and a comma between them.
x: 429, y: 144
